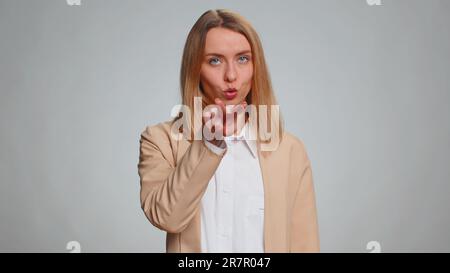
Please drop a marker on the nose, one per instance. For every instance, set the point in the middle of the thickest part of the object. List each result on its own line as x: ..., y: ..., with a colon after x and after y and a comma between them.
x: 230, y: 73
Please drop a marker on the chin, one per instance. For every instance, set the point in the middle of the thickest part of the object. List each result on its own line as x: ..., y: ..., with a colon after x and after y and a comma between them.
x: 234, y: 101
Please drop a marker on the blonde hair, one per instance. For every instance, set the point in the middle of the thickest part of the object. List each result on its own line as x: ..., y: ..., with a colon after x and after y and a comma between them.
x: 261, y: 92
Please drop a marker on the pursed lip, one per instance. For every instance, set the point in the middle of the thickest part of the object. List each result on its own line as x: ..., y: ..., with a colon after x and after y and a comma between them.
x: 230, y: 93
x: 230, y: 90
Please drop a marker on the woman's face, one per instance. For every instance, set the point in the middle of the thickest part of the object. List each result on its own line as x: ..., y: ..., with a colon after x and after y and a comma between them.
x: 227, y: 64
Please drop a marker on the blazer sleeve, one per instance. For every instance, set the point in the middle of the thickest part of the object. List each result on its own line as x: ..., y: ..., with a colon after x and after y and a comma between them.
x: 304, y: 226
x: 170, y: 195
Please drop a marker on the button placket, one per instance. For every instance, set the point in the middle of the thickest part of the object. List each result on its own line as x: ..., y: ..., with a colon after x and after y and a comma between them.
x: 227, y: 190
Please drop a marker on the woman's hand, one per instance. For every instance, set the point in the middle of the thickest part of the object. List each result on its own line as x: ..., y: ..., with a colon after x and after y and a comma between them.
x: 225, y: 126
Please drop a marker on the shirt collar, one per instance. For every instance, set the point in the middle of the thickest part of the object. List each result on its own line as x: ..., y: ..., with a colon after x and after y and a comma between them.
x: 244, y: 134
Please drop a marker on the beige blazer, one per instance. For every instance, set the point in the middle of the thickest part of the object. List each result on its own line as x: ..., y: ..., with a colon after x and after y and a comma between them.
x: 175, y: 174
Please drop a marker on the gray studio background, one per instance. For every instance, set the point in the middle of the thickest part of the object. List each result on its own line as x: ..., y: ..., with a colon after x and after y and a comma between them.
x: 365, y: 87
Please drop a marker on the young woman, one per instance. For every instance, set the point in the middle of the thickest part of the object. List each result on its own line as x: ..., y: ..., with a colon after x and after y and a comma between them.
x: 227, y: 191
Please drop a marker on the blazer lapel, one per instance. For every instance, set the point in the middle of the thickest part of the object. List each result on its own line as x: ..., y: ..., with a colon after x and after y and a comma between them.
x: 263, y: 162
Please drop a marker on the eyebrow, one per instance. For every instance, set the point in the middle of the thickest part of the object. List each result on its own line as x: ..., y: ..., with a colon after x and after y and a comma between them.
x: 239, y: 53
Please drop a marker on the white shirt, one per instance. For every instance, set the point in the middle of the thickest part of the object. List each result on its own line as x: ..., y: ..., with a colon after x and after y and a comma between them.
x: 232, y: 208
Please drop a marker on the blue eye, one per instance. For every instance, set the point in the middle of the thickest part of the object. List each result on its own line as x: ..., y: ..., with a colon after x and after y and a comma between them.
x: 243, y: 59
x: 214, y: 61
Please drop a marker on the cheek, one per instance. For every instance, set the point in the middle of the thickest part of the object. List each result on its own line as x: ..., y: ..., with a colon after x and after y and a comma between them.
x: 247, y: 76
x: 210, y: 77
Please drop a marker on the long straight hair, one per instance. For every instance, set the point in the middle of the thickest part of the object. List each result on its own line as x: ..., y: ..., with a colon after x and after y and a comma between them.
x: 261, y: 92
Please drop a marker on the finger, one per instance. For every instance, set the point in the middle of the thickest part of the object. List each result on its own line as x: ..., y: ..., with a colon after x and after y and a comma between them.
x: 243, y: 105
x: 218, y: 101
x: 221, y: 104
x: 240, y: 107
x: 207, y: 115
x: 222, y: 107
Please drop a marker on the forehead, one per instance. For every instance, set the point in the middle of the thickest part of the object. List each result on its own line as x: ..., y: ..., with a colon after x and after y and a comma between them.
x: 225, y: 41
